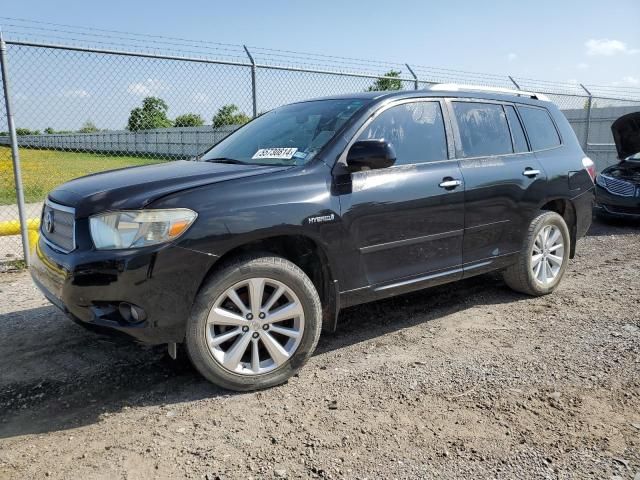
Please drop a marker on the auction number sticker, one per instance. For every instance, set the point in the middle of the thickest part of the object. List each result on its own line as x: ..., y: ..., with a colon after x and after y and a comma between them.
x: 284, y: 152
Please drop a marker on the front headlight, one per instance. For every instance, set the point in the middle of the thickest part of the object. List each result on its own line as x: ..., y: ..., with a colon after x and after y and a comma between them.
x: 139, y: 228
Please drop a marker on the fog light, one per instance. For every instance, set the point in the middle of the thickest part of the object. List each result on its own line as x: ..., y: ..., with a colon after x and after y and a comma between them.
x: 132, y: 313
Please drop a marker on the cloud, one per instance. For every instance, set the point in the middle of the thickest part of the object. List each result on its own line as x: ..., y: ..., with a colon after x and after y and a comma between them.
x: 149, y: 87
x: 608, y: 48
x: 626, y: 81
x: 629, y: 80
x: 512, y: 56
x: 583, y: 66
x: 78, y: 93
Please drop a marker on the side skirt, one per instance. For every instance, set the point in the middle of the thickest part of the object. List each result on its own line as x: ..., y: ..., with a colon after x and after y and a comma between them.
x: 405, y: 285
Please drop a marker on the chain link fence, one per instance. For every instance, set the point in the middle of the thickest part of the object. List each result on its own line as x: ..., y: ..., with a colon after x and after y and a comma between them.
x: 79, y: 110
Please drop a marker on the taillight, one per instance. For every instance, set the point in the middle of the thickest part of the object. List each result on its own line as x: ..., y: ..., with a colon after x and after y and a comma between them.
x: 590, y: 167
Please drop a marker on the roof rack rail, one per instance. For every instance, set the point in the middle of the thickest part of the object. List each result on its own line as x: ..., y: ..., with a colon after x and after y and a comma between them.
x: 454, y: 87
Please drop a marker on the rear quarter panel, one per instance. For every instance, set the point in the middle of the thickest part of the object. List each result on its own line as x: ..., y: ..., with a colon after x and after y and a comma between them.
x: 567, y: 178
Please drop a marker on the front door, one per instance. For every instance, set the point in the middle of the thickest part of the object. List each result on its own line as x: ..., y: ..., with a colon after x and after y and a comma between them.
x: 407, y: 221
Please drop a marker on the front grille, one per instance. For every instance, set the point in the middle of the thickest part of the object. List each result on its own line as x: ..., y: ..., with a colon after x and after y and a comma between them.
x: 619, y: 187
x: 58, y: 225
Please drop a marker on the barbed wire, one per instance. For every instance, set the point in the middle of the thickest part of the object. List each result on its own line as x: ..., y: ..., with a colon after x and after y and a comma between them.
x: 83, y: 36
x: 134, y: 48
x: 80, y: 27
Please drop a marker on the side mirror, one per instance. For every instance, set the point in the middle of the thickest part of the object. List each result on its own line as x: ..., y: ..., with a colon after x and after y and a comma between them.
x: 371, y: 154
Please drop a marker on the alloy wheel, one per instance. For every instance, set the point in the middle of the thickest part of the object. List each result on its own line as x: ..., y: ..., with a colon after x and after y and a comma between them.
x: 255, y: 326
x: 547, y: 255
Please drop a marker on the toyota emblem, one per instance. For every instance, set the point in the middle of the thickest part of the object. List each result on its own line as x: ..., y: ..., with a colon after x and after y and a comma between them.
x: 48, y: 221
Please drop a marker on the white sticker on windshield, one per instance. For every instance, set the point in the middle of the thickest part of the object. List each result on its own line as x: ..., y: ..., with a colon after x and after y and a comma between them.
x: 283, y: 153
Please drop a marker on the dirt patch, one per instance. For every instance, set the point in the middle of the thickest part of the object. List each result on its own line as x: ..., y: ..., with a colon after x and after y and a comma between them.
x: 468, y: 380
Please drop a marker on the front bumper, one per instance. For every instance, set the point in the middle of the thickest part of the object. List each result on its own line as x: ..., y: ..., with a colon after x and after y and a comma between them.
x: 90, y: 286
x: 616, y: 205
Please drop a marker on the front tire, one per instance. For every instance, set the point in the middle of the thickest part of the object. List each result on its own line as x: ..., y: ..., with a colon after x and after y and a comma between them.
x: 254, y: 324
x: 543, y: 258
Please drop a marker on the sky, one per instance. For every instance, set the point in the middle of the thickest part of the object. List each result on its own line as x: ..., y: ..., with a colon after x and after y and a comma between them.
x: 596, y: 43
x: 591, y: 41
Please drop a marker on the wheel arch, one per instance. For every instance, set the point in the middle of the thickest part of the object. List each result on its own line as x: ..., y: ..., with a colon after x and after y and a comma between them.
x: 565, y: 208
x: 305, y: 252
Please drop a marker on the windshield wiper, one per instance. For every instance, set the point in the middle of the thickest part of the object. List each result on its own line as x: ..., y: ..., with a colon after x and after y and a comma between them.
x: 226, y: 160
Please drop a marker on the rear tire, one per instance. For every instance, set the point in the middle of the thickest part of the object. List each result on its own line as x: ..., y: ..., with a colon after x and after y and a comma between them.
x: 254, y: 323
x: 543, y: 258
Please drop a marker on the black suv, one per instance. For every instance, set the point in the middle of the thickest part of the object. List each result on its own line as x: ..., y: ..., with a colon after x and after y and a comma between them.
x: 248, y: 253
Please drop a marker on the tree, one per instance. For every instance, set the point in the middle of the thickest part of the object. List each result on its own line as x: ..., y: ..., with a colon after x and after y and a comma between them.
x: 383, y: 83
x: 188, y: 120
x: 26, y: 131
x: 49, y: 131
x: 152, y: 114
x: 229, y: 115
x: 88, y: 127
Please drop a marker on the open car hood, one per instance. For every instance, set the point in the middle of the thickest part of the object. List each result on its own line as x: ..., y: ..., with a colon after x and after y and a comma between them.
x: 626, y: 134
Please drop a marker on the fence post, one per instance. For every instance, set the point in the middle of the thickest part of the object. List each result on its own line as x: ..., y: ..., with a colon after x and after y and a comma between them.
x: 514, y: 82
x: 15, y: 154
x: 588, y: 127
x: 415, y: 77
x: 253, y: 82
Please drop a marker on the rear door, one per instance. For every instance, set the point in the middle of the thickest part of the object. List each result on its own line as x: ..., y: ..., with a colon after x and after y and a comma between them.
x: 405, y: 221
x: 504, y: 181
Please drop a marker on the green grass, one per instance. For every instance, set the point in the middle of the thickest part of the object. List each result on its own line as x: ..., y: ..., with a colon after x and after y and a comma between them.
x: 12, y: 265
x: 43, y: 170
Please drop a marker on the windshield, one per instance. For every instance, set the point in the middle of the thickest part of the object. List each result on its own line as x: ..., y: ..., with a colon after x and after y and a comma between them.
x: 289, y: 135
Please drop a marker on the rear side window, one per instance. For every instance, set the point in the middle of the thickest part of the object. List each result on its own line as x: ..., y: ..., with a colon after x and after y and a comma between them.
x: 540, y: 128
x: 416, y: 131
x: 483, y: 129
x: 519, y: 139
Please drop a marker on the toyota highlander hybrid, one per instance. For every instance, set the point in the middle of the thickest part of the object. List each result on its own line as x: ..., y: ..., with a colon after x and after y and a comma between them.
x: 247, y: 254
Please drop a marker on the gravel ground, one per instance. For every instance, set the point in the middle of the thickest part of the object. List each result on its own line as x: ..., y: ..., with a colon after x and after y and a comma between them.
x: 468, y: 380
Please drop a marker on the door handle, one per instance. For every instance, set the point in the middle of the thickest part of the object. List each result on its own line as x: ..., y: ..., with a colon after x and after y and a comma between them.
x: 530, y: 172
x: 452, y: 183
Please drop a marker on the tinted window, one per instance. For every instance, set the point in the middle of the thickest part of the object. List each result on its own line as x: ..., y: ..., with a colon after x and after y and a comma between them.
x: 416, y: 131
x: 519, y: 140
x: 289, y: 135
x: 483, y: 129
x: 540, y: 128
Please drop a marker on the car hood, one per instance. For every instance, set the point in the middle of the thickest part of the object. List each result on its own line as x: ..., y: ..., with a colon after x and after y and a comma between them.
x: 136, y: 187
x: 626, y: 134
x: 629, y: 171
